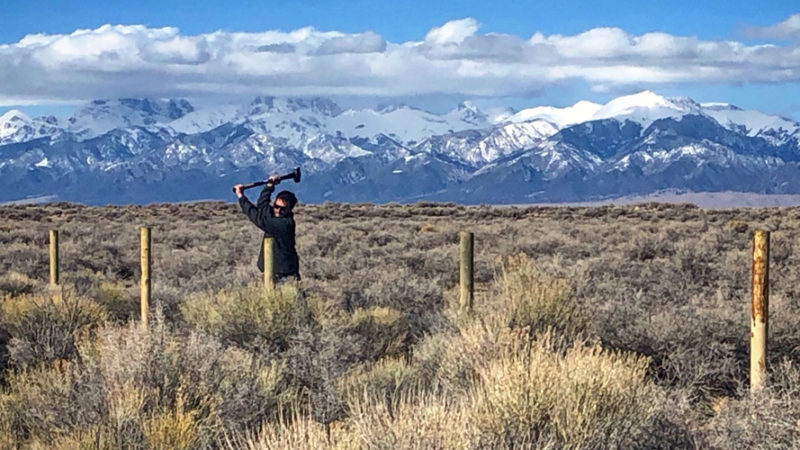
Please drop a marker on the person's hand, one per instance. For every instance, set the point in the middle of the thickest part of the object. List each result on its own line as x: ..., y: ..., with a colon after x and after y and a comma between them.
x: 274, y: 179
x: 238, y: 190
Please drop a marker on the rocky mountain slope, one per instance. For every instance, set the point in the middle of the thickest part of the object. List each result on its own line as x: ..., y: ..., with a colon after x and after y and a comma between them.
x: 146, y: 150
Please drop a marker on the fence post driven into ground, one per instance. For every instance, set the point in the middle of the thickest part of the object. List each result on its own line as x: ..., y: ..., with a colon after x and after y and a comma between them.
x: 759, y: 319
x: 467, y: 273
x: 54, y: 276
x: 145, y: 284
x: 269, y: 270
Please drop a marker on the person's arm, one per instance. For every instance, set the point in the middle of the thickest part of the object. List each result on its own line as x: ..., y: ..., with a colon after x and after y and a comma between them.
x: 260, y: 214
x: 265, y: 197
x: 262, y: 217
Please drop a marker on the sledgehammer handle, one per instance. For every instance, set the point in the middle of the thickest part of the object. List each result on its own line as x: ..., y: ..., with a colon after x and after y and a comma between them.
x: 295, y: 175
x: 250, y: 185
x: 263, y: 182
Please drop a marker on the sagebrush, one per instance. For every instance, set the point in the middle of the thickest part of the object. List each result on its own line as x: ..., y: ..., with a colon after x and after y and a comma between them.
x: 602, y: 327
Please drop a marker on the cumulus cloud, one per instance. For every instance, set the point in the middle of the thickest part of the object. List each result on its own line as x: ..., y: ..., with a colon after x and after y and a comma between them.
x: 454, y: 58
x: 452, y: 32
x: 282, y: 47
x: 354, y: 43
x: 788, y: 29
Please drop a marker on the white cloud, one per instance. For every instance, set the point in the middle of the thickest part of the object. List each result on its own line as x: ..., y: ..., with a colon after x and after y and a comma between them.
x: 134, y: 60
x: 788, y: 29
x: 355, y: 43
x: 597, y: 43
x: 452, y: 32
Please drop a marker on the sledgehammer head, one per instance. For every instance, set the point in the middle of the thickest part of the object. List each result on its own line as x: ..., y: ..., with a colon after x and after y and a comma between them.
x: 294, y: 175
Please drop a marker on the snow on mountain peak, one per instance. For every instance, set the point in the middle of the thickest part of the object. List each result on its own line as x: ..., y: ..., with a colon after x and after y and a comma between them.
x: 468, y: 112
x: 649, y: 100
x: 12, y: 122
x: 202, y: 120
x: 14, y: 115
x: 715, y: 106
x: 775, y: 129
x: 646, y: 107
x: 393, y: 106
x: 467, y: 106
x: 16, y: 126
x: 560, y: 117
x: 407, y: 124
x: 11, y: 117
x: 645, y: 99
x: 101, y: 116
x: 270, y: 105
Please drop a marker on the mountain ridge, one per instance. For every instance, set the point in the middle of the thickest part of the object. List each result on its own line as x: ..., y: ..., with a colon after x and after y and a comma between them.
x: 632, y: 145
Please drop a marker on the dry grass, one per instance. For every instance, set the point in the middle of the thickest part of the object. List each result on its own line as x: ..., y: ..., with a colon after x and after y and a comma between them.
x: 607, y: 327
x: 247, y: 317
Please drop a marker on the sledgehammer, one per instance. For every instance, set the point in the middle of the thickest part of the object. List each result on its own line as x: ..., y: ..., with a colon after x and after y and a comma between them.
x: 294, y: 174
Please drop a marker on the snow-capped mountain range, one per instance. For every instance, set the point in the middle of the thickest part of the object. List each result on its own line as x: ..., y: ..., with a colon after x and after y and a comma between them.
x: 145, y: 150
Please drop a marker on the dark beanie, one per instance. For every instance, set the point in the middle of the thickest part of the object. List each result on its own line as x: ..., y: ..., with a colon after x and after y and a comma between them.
x: 288, y: 197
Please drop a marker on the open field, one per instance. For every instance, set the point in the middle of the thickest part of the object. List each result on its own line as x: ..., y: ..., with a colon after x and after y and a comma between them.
x: 605, y: 327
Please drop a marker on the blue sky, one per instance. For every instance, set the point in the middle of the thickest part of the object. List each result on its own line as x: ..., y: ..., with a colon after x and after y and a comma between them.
x: 395, y: 20
x: 365, y: 57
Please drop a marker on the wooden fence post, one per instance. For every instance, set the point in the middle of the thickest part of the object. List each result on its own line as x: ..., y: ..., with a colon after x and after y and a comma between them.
x: 54, y: 275
x: 269, y: 267
x: 759, y: 319
x: 466, y: 272
x: 145, y: 284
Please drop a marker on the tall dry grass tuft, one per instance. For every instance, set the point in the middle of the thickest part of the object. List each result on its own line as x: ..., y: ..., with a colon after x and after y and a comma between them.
x: 526, y: 297
x: 249, y: 317
x: 42, y: 402
x: 44, y: 327
x: 195, y: 375
x: 141, y: 388
x: 122, y: 305
x: 383, y: 330
x: 529, y: 395
x: 770, y: 419
x: 90, y: 438
x: 522, y: 298
x: 416, y: 420
x: 13, y: 284
x: 388, y: 379
x: 585, y: 398
x: 175, y: 429
x: 296, y: 430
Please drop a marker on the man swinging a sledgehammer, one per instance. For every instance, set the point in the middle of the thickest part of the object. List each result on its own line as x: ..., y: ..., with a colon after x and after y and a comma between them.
x: 276, y: 220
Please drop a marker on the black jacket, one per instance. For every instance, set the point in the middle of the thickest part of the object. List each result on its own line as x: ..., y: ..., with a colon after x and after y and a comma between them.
x: 281, y: 229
